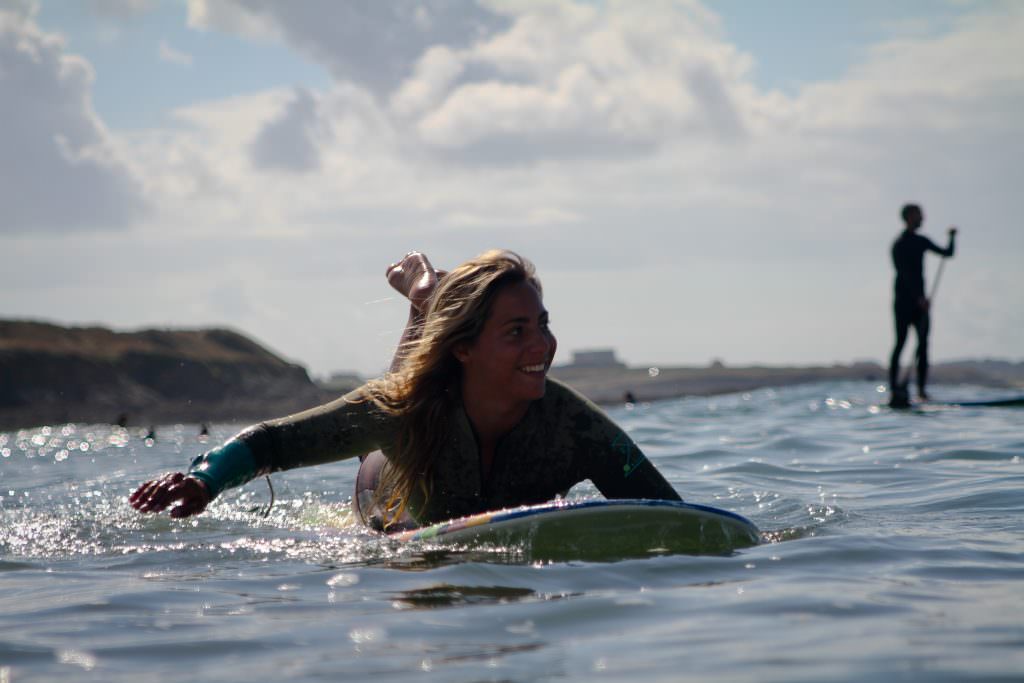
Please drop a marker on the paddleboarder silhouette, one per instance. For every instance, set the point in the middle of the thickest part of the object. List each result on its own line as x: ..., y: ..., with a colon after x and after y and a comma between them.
x: 911, y: 305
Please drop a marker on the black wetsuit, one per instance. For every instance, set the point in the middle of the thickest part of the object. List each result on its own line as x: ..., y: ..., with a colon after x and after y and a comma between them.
x: 562, y: 440
x: 909, y: 303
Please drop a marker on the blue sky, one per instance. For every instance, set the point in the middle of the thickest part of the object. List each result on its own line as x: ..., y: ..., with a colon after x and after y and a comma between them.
x: 723, y: 177
x: 802, y: 41
x: 792, y: 41
x: 135, y: 88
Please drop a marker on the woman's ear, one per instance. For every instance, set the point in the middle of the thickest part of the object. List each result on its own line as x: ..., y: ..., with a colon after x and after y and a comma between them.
x: 461, y: 352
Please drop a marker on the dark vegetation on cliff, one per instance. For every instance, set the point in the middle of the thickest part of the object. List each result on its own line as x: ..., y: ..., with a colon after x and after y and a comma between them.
x: 51, y: 374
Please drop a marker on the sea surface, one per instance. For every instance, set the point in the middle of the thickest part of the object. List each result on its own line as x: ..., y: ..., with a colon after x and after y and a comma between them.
x: 893, y: 551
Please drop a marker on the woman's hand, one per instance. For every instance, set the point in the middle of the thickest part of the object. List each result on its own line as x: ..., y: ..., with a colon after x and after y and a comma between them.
x: 158, y: 494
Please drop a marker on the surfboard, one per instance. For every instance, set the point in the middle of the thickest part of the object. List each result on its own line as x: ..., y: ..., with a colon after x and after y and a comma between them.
x: 595, y: 530
x: 1011, y: 402
x: 1014, y: 402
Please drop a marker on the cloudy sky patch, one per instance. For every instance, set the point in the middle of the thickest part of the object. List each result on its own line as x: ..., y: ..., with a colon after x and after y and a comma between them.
x: 61, y: 170
x: 687, y: 190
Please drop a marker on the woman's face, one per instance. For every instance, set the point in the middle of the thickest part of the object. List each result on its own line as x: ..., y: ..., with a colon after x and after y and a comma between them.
x: 512, y: 355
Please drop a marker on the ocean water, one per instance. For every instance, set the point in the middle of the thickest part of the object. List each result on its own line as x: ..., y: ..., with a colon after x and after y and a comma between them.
x: 893, y: 551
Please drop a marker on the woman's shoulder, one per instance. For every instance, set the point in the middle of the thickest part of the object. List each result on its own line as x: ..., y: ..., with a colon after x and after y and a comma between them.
x: 556, y: 390
x: 560, y: 396
x: 568, y: 412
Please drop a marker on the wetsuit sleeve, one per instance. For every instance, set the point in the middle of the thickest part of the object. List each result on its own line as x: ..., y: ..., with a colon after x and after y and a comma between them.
x: 345, y: 428
x: 604, y: 453
x: 947, y: 252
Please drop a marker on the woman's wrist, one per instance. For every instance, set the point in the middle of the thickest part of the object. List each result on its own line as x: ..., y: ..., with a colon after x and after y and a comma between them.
x: 229, y: 465
x: 202, y: 485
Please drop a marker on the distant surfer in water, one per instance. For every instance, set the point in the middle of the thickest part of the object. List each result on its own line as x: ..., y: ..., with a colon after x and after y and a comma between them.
x: 466, y: 421
x: 910, y: 304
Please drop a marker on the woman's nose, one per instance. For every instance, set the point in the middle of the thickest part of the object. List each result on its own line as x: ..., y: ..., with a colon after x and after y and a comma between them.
x: 542, y: 342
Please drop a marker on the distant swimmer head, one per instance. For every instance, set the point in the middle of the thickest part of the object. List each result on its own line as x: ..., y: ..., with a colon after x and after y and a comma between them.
x: 912, y: 215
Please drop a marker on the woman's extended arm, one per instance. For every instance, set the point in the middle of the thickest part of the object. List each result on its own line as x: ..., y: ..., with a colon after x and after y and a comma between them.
x: 347, y: 427
x: 335, y: 431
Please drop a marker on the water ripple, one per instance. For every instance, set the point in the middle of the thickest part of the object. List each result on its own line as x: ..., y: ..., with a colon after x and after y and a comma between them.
x: 877, y: 524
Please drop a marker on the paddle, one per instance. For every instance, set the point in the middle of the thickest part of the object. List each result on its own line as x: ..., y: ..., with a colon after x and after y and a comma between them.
x: 938, y: 277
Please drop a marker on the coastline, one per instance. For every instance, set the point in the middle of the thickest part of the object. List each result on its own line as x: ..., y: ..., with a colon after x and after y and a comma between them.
x: 606, y: 386
x: 57, y: 375
x: 603, y: 386
x: 609, y: 385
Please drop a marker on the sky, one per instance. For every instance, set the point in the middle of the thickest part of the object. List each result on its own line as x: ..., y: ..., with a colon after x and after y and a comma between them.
x: 695, y: 181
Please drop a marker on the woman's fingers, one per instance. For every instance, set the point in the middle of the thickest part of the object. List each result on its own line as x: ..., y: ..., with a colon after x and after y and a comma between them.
x: 141, y: 497
x: 163, y: 494
x: 139, y: 493
x: 156, y: 495
x: 401, y: 275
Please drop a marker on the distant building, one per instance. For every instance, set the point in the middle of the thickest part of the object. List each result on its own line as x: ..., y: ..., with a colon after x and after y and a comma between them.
x: 596, y: 358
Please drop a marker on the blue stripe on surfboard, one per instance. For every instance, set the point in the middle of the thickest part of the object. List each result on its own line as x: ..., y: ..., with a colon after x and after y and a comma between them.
x: 631, y: 502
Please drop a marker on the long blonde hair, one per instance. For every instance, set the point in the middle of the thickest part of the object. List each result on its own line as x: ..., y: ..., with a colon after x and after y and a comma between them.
x: 426, y: 386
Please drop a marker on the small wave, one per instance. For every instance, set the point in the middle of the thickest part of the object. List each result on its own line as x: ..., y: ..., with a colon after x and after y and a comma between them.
x: 990, y: 500
x: 968, y: 454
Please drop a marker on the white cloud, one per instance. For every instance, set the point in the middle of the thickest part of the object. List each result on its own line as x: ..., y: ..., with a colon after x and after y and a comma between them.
x: 434, y: 74
x: 576, y: 107
x: 374, y: 44
x: 230, y: 17
x: 527, y: 217
x: 122, y: 9
x: 23, y: 9
x: 60, y: 168
x: 499, y: 82
x: 626, y: 149
x: 168, y: 54
x: 292, y: 141
x: 973, y: 73
x: 571, y: 80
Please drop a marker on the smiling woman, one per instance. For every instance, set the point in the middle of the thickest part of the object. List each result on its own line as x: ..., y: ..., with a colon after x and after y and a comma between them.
x: 466, y: 421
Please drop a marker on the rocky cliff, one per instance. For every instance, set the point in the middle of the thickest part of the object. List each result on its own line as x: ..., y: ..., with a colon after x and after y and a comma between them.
x: 51, y: 374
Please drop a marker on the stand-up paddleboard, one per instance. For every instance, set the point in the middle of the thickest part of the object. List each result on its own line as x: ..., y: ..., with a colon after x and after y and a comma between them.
x: 902, y: 400
x: 596, y: 530
x: 1015, y: 402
